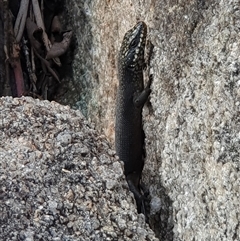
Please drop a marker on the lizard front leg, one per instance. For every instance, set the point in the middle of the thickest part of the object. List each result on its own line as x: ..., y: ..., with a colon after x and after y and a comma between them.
x: 142, y: 97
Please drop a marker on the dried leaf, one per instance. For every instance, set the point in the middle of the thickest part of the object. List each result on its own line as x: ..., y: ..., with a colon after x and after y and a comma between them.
x: 56, y: 25
x: 60, y: 48
x: 32, y: 30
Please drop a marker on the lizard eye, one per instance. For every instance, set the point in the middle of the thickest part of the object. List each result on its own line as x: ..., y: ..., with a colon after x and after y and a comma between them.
x: 134, y: 43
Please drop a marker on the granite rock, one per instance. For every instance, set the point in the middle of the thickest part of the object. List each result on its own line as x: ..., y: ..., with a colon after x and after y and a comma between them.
x: 59, y: 179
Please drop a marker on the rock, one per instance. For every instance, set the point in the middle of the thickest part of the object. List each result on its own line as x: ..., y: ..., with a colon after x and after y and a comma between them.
x: 192, y: 120
x: 49, y: 190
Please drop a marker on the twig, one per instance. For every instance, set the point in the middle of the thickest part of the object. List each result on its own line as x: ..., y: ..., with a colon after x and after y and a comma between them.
x: 47, y: 64
x: 40, y: 24
x: 17, y: 68
x: 6, y: 24
x: 32, y: 75
x: 21, y: 20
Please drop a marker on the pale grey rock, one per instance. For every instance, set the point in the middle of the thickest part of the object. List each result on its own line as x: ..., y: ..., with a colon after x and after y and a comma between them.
x: 64, y: 138
x: 155, y: 205
x: 58, y: 180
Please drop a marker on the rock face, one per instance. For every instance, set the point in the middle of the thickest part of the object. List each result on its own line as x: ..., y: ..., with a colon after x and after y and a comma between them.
x: 59, y: 180
x: 192, y: 122
x: 192, y: 127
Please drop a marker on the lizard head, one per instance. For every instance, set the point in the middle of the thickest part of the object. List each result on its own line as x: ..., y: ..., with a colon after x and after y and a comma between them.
x: 131, y: 55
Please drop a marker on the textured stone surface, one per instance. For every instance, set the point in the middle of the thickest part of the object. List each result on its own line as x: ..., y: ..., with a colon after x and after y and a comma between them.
x: 59, y: 180
x: 192, y: 123
x: 99, y: 27
x: 193, y: 128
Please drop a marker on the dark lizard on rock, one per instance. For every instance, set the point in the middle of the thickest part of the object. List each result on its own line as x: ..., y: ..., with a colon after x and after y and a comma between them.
x: 129, y: 135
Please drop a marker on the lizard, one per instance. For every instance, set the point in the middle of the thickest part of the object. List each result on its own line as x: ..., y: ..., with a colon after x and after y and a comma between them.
x: 131, y: 96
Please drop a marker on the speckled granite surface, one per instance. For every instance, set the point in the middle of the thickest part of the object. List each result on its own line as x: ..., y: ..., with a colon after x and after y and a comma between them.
x: 192, y: 122
x: 59, y: 180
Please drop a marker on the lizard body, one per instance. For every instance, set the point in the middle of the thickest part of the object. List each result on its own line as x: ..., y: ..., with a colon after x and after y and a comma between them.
x: 129, y: 135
